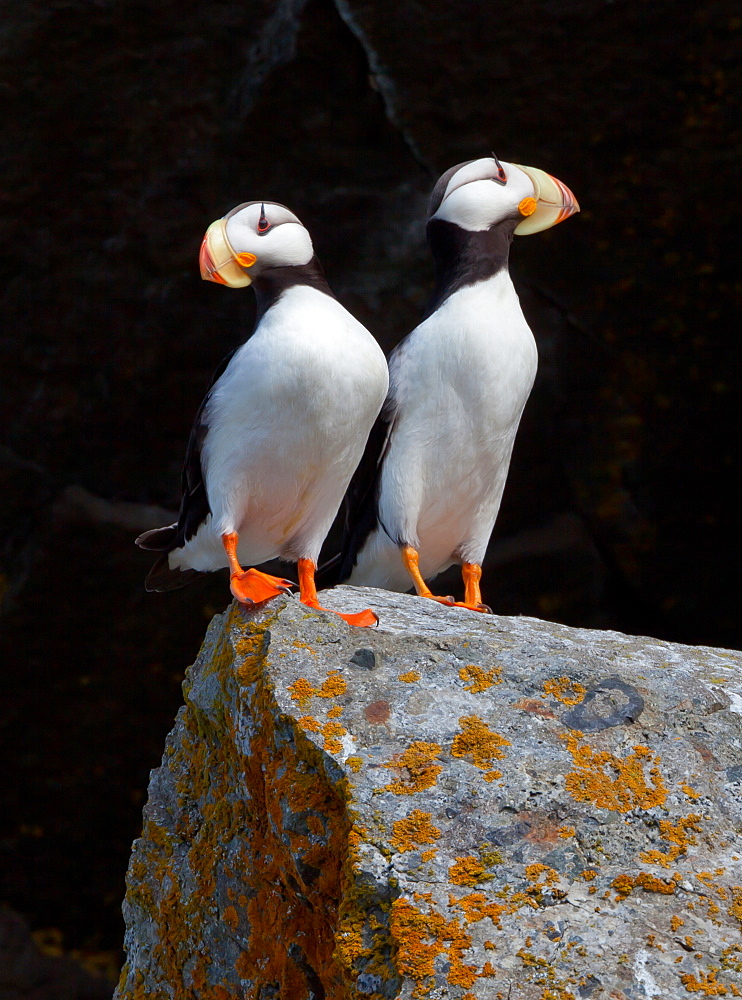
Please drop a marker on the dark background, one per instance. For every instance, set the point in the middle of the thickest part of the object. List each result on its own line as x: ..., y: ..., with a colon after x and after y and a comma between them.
x: 129, y: 127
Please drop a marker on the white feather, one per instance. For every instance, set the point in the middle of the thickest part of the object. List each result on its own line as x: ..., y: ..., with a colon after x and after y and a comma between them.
x: 460, y: 382
x: 288, y: 421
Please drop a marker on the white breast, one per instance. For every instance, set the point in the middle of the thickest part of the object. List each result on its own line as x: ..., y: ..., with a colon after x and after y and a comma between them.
x: 460, y: 382
x: 288, y: 421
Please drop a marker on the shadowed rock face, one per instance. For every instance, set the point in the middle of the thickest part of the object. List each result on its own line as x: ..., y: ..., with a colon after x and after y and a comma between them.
x: 128, y: 129
x: 413, y: 812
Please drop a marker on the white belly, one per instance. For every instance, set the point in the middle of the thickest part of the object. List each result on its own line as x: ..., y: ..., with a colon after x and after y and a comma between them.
x: 461, y: 381
x: 288, y: 421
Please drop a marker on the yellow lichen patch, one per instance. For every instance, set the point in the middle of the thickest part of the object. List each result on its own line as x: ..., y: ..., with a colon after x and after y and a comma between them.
x: 477, y: 680
x: 690, y: 792
x: 309, y: 724
x: 304, y: 645
x: 678, y: 836
x: 536, y: 872
x: 415, y: 829
x: 468, y: 871
x: 230, y: 918
x: 332, y: 731
x: 565, y: 690
x: 708, y: 984
x: 301, y: 690
x: 422, y: 773
x: 476, y: 907
x: 589, y: 874
x: 334, y: 686
x: 676, y: 922
x: 492, y: 775
x: 410, y: 677
x: 478, y: 741
x: 624, y: 884
x: 420, y: 938
x: 429, y: 855
x: 354, y: 763
x: 611, y: 782
x: 565, y: 832
x: 735, y: 910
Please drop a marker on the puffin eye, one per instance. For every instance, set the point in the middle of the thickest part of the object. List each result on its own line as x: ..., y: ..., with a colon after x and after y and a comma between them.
x: 263, y: 224
x: 501, y: 178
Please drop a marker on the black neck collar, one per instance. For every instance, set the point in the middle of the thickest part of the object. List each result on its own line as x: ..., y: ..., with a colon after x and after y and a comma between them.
x: 274, y: 281
x: 463, y: 258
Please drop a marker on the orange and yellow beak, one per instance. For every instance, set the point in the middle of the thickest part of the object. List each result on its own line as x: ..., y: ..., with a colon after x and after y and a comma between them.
x: 553, y: 202
x: 218, y: 260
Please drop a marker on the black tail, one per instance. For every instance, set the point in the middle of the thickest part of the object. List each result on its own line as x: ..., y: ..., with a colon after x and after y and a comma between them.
x: 161, y: 577
x: 158, y: 539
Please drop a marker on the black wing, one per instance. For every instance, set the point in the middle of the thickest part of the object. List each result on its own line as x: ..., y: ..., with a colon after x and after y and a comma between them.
x: 360, y: 501
x: 194, y: 506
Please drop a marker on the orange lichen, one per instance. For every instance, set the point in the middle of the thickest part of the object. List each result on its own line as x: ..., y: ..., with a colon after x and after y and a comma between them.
x: 625, y: 884
x: 468, y: 871
x: 708, y: 984
x: 429, y: 855
x: 676, y: 922
x: 335, y: 712
x: 735, y: 910
x: 420, y: 938
x: 565, y: 832
x: 476, y: 907
x: 410, y: 677
x: 301, y: 690
x: 334, y: 686
x: 589, y: 874
x: 354, y: 763
x: 611, y: 782
x: 534, y: 873
x: 566, y: 691
x: 492, y: 775
x: 415, y: 829
x: 678, y: 836
x: 691, y: 792
x: 332, y: 731
x: 309, y: 724
x: 478, y: 741
x: 477, y: 680
x: 417, y: 761
x: 230, y: 918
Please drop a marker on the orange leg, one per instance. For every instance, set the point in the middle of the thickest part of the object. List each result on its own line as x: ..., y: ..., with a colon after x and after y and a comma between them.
x: 251, y: 586
x: 308, y: 596
x: 412, y: 565
x: 471, y: 572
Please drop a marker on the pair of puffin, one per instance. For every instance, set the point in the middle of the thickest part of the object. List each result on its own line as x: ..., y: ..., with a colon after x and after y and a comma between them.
x: 306, y: 411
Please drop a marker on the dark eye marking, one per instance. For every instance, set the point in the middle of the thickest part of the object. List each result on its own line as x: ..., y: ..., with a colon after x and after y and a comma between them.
x: 501, y: 178
x: 263, y: 224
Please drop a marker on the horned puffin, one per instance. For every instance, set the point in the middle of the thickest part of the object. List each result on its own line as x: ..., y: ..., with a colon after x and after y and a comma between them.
x: 284, y: 423
x: 428, y: 490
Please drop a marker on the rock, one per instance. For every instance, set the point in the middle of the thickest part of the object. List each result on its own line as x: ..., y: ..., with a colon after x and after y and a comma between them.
x: 414, y: 812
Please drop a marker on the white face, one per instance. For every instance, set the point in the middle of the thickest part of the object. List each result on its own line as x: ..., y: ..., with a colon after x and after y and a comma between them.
x: 475, y: 197
x: 277, y: 239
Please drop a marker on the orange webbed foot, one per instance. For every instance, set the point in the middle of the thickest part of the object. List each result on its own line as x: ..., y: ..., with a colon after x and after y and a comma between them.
x: 485, y: 609
x: 359, y: 619
x: 253, y: 587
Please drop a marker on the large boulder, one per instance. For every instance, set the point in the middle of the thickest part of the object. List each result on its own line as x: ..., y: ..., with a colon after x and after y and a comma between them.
x: 451, y: 805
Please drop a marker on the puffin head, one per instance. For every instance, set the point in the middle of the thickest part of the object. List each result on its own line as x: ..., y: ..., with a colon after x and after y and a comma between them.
x: 480, y: 194
x: 250, y: 239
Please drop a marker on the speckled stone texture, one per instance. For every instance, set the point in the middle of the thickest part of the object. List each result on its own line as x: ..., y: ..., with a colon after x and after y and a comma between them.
x: 451, y: 805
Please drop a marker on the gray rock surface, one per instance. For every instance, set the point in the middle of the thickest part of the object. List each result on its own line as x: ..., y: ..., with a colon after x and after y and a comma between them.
x: 451, y: 805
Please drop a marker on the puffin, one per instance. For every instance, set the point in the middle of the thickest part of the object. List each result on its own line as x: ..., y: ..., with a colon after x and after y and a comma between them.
x: 283, y: 425
x: 428, y: 490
